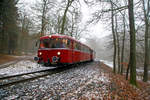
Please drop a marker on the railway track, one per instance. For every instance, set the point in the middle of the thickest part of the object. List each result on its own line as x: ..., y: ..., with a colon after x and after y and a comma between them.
x: 6, y: 81
x: 20, y: 78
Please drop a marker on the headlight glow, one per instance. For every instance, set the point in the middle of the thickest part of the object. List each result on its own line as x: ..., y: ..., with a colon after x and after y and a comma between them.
x: 58, y: 53
x: 40, y: 53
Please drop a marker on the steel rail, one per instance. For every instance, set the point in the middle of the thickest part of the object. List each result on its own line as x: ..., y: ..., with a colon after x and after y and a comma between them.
x: 6, y: 77
x: 49, y: 72
x: 53, y: 71
x: 22, y: 80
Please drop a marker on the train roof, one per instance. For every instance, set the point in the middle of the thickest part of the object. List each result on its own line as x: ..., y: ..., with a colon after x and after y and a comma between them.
x: 62, y: 36
x: 57, y: 36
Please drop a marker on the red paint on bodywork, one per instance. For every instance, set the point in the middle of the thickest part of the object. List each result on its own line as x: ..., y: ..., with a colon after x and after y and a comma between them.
x: 67, y: 55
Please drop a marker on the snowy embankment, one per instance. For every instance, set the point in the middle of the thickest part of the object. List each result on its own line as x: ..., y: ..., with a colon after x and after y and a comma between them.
x: 139, y: 71
x: 21, y: 67
x: 109, y: 63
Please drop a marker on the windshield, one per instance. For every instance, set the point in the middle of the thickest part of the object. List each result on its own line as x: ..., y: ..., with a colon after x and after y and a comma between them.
x: 55, y: 43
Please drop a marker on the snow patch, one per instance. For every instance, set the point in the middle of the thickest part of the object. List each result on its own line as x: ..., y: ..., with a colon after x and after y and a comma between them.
x: 21, y: 67
x: 110, y: 64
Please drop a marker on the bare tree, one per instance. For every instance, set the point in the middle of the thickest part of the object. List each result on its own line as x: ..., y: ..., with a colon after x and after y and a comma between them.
x: 123, y: 43
x: 114, y: 37
x: 69, y: 2
x: 132, y: 61
x: 26, y: 26
x: 42, y: 10
x: 146, y: 9
x: 118, y: 43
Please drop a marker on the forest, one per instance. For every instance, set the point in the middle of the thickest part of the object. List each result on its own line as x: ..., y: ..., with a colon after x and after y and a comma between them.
x: 127, y: 20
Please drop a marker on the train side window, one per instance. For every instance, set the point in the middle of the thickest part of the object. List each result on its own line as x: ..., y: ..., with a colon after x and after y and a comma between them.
x: 63, y: 43
x: 82, y: 48
x: 86, y: 49
x: 68, y: 43
x: 71, y: 43
x: 75, y: 45
x: 79, y: 46
x: 89, y: 51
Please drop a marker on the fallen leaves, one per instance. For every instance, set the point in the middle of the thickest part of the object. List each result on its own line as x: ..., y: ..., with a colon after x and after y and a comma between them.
x: 120, y: 89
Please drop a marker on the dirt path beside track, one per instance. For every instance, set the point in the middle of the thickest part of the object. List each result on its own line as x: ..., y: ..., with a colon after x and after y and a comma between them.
x: 6, y: 60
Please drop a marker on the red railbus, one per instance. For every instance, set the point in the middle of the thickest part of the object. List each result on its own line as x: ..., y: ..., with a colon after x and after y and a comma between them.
x: 62, y: 50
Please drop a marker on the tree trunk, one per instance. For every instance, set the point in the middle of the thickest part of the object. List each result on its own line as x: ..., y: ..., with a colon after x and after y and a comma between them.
x: 114, y: 39
x: 147, y: 37
x: 132, y: 61
x: 127, y: 72
x: 3, y: 38
x: 64, y: 16
x: 118, y: 45
x: 58, y: 24
x: 43, y: 18
x: 123, y: 41
x: 72, y: 27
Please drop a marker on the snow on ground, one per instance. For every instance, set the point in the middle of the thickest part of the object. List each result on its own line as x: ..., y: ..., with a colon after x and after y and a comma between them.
x: 9, y: 63
x: 139, y: 71
x: 109, y: 63
x: 23, y: 66
x: 73, y: 84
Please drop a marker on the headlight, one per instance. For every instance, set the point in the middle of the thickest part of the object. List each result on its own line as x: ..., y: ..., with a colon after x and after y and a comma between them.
x: 40, y: 53
x: 58, y: 53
